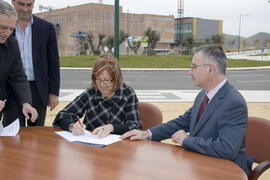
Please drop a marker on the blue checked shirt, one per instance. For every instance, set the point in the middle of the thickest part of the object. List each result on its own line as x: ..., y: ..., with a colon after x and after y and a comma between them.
x: 25, y: 44
x: 121, y: 110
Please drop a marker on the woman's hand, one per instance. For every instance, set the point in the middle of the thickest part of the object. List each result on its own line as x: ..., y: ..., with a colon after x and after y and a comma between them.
x: 2, y: 105
x: 77, y: 128
x: 103, y: 131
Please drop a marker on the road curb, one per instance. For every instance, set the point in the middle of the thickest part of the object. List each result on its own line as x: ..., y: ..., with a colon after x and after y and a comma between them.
x: 168, y: 69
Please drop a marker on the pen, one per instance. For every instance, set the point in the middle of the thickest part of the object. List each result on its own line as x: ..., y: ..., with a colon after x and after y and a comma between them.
x: 78, y: 119
x: 4, y: 100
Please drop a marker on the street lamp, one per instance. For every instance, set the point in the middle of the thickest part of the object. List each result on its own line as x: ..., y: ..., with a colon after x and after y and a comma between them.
x: 116, y: 29
x: 239, y: 37
x: 127, y: 31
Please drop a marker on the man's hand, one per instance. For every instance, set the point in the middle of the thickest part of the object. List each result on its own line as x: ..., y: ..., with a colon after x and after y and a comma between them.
x: 103, y: 131
x: 28, y: 109
x: 53, y: 101
x: 179, y: 137
x: 136, y: 135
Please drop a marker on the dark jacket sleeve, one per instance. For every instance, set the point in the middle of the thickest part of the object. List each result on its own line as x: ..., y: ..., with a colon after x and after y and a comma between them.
x: 17, y: 78
x: 54, y: 67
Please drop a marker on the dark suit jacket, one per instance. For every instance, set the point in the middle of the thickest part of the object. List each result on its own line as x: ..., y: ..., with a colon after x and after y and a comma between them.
x: 45, y: 58
x: 220, y: 131
x: 11, y: 71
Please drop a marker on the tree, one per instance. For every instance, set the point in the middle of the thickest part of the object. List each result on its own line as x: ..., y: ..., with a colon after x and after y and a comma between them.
x: 256, y: 43
x: 134, y: 46
x: 153, y: 38
x: 188, y: 44
x: 207, y: 40
x: 216, y: 39
x: 90, y: 38
x: 101, y: 42
x: 244, y: 44
x: 80, y: 45
x: 266, y: 42
x: 109, y: 42
x: 123, y: 36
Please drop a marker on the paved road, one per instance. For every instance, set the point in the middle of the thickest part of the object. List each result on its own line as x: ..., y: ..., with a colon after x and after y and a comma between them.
x: 169, y: 80
x: 170, y: 86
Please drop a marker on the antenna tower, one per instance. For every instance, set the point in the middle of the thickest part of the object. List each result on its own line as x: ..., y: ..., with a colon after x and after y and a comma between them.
x: 180, y: 16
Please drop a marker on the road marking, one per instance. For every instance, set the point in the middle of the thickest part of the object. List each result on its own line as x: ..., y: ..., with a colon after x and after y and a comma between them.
x: 170, y: 95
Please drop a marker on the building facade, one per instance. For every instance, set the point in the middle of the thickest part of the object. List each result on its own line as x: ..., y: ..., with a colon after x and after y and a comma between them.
x: 197, y: 28
x: 72, y: 22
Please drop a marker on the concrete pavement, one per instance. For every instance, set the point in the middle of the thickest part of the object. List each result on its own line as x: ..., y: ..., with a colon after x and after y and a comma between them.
x: 167, y: 96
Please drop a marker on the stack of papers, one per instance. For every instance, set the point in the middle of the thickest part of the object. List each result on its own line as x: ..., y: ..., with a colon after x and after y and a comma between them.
x: 10, y: 130
x: 89, y: 139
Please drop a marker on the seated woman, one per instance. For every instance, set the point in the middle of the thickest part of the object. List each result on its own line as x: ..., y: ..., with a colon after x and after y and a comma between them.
x: 109, y: 105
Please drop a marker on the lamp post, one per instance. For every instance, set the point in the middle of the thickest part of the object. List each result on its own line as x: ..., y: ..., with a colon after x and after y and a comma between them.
x: 239, y: 37
x: 116, y: 29
x: 127, y: 31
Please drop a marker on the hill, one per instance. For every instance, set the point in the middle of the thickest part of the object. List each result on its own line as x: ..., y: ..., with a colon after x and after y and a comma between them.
x: 255, y: 41
x: 258, y: 39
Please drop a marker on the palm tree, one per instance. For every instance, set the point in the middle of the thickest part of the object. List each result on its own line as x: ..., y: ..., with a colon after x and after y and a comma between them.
x: 153, y: 37
x: 90, y: 38
x: 109, y: 42
x: 134, y: 46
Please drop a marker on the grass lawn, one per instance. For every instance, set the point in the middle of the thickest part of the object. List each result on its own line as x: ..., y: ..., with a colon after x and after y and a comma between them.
x: 158, y: 61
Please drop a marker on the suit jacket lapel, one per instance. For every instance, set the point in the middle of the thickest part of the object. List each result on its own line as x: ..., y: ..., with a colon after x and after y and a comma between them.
x: 196, y: 107
x: 214, y: 103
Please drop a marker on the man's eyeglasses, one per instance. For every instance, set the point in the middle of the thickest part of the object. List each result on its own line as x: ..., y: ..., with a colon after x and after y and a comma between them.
x: 98, y: 81
x: 195, y: 66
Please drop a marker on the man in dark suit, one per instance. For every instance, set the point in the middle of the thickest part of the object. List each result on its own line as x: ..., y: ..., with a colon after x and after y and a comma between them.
x: 39, y: 52
x: 11, y: 69
x: 216, y: 122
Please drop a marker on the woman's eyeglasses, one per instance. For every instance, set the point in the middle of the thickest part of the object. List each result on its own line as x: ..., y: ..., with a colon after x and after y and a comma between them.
x: 98, y: 81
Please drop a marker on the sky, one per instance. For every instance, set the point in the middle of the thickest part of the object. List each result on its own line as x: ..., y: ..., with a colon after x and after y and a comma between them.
x: 255, y: 14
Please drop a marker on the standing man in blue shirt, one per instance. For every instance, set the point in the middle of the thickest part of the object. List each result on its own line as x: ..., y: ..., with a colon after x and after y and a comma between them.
x: 40, y: 58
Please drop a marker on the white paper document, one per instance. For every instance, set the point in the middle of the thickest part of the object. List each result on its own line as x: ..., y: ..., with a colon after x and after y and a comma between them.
x: 10, y: 130
x: 88, y: 138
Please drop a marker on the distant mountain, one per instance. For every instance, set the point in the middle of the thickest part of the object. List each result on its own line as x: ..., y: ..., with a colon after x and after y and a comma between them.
x: 261, y: 36
x: 254, y: 41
